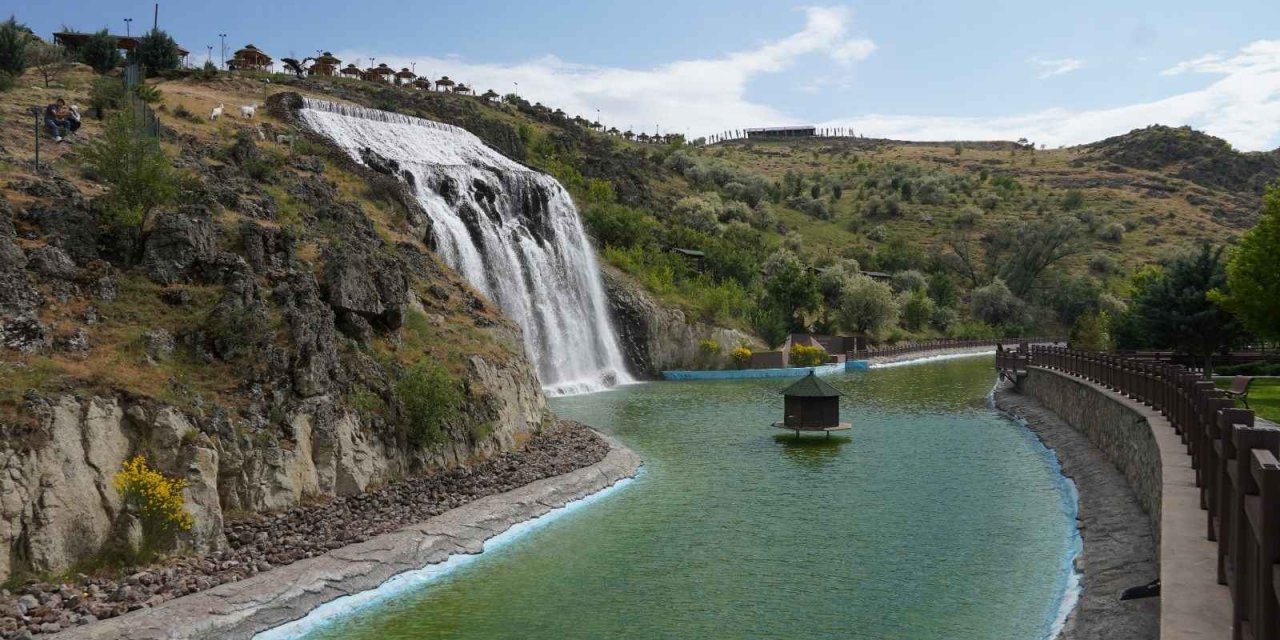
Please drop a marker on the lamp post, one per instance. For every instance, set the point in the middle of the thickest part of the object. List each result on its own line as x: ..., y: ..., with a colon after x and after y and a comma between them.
x: 127, y: 30
x: 209, y: 59
x: 223, y: 37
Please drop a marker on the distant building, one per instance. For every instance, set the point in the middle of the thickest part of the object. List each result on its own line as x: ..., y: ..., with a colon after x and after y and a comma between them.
x: 782, y: 132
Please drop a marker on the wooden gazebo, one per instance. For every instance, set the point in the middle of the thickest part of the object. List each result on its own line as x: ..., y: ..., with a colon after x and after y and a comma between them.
x: 380, y: 73
x: 352, y: 70
x: 423, y: 83
x: 405, y: 76
x: 463, y: 89
x: 812, y: 404
x: 325, y: 65
x: 444, y: 83
x: 251, y: 58
x: 490, y: 95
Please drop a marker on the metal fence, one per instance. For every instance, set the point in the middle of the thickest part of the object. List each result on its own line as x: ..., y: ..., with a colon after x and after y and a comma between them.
x: 934, y: 345
x: 1235, y: 463
x: 145, y: 118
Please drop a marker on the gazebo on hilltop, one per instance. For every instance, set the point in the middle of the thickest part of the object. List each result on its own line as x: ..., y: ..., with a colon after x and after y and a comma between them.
x: 352, y: 70
x: 423, y: 83
x: 444, y: 83
x: 251, y: 58
x: 812, y: 404
x: 380, y: 73
x: 325, y: 65
x: 405, y: 76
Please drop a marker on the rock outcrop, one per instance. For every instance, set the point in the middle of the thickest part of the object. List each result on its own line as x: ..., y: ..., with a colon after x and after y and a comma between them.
x: 657, y: 338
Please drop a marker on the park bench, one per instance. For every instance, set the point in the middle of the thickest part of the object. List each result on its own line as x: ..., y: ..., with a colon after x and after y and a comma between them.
x: 1240, y: 389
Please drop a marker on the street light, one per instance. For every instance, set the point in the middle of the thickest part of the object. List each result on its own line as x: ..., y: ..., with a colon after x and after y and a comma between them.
x: 209, y: 59
x: 223, y: 36
x: 127, y: 32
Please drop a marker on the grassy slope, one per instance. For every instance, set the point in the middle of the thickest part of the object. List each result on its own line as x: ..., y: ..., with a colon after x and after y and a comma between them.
x: 1264, y: 397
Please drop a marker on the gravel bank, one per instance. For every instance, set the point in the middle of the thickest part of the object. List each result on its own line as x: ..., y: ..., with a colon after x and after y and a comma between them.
x: 1119, y: 549
x: 262, y: 543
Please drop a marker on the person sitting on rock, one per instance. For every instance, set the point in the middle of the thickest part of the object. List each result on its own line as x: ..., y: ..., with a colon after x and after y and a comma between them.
x: 56, y: 118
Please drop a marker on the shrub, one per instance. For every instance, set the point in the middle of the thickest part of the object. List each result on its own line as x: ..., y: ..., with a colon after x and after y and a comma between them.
x: 866, y: 306
x: 430, y: 399
x: 7, y: 81
x: 944, y: 318
x: 972, y: 330
x: 1074, y: 199
x: 1092, y: 332
x: 909, y: 280
x: 106, y: 94
x: 156, y: 500
x: 806, y: 356
x: 967, y: 217
x: 1113, y: 232
x: 181, y: 111
x: 147, y: 93
x: 708, y: 350
x: 741, y: 356
x: 100, y: 52
x: 917, y: 310
x: 209, y: 71
x: 996, y: 305
x: 13, y: 47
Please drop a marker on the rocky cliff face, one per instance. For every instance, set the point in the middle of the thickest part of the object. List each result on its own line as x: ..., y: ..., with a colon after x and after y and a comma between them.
x: 657, y: 338
x: 251, y: 341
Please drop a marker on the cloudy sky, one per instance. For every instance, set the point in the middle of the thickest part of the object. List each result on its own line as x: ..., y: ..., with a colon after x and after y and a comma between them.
x: 1056, y: 73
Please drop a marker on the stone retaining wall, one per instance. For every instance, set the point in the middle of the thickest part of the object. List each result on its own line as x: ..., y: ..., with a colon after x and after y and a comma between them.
x: 244, y: 608
x: 1123, y: 435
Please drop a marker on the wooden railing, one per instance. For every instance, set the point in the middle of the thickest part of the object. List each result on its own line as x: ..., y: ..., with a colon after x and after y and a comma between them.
x: 937, y: 345
x: 1235, y: 465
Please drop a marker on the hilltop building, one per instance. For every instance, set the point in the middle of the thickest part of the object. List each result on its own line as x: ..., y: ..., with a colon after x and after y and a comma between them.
x: 782, y: 132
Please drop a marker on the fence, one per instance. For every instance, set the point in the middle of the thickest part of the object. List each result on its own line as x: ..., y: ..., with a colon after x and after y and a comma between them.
x: 934, y: 345
x: 145, y: 118
x: 1235, y: 464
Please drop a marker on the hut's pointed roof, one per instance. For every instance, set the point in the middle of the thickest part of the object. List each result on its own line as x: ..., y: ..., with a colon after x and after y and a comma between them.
x: 811, y: 386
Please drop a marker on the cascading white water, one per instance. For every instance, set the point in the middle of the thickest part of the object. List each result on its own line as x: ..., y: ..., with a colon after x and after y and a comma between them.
x: 512, y: 232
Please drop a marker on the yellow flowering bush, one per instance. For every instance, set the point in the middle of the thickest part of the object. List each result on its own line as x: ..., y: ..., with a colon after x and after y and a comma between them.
x: 741, y: 356
x: 157, y: 501
x: 805, y: 356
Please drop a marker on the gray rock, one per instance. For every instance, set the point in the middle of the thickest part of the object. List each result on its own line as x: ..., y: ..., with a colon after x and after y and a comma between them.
x: 24, y: 333
x: 159, y: 345
x: 367, y: 282
x: 52, y: 262
x: 178, y: 242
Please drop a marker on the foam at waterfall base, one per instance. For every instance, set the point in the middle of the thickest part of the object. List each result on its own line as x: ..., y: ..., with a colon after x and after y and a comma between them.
x: 512, y: 232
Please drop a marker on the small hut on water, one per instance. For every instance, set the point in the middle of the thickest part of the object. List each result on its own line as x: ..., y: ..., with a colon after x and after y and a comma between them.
x: 812, y: 404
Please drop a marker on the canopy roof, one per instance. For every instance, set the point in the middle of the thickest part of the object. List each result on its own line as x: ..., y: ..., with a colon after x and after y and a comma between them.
x: 328, y: 58
x: 250, y: 52
x: 405, y: 73
x: 811, y: 386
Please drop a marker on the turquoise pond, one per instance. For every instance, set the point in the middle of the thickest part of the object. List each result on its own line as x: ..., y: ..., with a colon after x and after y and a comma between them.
x: 935, y: 517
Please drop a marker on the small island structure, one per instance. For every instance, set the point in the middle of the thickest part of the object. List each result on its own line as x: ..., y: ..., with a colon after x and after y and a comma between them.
x: 812, y: 404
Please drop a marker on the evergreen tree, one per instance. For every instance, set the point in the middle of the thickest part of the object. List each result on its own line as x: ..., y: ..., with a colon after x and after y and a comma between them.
x: 156, y: 52
x: 1173, y: 308
x: 13, y: 47
x: 100, y: 51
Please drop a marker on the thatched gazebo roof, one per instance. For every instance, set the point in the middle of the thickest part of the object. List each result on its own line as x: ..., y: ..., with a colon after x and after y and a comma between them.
x: 405, y: 74
x: 462, y: 88
x: 490, y: 95
x: 351, y: 70
x: 422, y: 83
x: 380, y: 70
x: 328, y: 59
x: 444, y: 81
x: 253, y: 55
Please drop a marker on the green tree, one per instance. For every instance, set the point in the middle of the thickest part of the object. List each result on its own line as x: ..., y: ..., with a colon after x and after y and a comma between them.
x: 50, y: 60
x: 995, y: 304
x: 157, y: 52
x: 100, y: 51
x: 1174, y: 309
x: 14, y: 37
x: 790, y: 287
x: 917, y: 310
x: 135, y: 168
x: 867, y: 306
x: 1254, y: 272
x: 771, y: 325
x: 1092, y: 332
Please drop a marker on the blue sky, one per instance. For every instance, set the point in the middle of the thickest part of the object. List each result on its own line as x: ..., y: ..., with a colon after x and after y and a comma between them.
x: 1058, y: 73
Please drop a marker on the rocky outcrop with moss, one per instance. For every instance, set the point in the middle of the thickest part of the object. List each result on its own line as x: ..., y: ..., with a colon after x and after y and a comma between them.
x: 656, y: 337
x: 253, y: 339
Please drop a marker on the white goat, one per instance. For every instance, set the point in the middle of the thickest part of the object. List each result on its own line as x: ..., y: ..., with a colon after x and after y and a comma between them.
x: 247, y: 111
x: 216, y: 113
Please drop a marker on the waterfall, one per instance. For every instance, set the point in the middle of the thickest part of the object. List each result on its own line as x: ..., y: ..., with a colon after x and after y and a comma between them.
x: 512, y: 232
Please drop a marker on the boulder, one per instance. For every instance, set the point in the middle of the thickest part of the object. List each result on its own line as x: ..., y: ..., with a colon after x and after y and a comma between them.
x: 52, y: 262
x: 178, y: 242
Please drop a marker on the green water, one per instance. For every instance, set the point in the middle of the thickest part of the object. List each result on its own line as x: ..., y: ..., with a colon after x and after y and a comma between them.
x: 934, y: 518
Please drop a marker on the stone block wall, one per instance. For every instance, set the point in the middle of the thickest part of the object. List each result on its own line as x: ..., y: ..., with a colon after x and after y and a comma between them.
x: 1122, y: 434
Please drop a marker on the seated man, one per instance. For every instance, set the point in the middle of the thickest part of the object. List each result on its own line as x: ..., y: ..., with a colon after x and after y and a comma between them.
x: 56, y: 118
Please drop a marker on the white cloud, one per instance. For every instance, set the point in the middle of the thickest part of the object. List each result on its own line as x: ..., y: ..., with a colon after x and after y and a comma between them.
x: 1242, y: 106
x: 1050, y: 68
x: 701, y: 96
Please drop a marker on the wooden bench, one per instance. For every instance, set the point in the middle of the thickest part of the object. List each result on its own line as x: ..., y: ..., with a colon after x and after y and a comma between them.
x: 1240, y: 389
